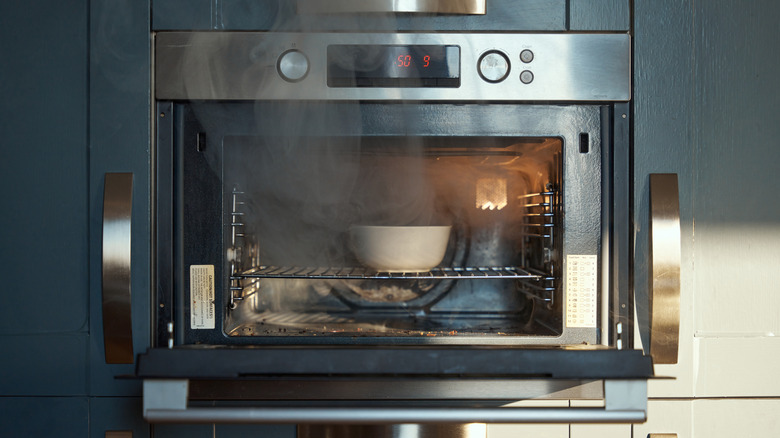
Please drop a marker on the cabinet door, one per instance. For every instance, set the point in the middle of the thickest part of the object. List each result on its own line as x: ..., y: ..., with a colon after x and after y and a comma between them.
x: 737, y: 215
x: 44, y: 197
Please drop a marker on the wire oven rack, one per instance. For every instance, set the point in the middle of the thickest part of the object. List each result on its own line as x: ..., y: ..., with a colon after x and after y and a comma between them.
x: 360, y: 273
x: 537, y: 283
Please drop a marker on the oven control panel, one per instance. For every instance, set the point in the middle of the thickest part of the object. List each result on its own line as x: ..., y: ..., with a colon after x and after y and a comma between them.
x: 403, y: 66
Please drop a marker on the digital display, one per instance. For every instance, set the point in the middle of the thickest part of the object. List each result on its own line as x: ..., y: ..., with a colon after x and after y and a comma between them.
x: 393, y: 66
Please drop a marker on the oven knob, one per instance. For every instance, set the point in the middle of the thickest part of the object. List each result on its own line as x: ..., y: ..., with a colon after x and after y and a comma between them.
x: 493, y: 66
x: 293, y: 66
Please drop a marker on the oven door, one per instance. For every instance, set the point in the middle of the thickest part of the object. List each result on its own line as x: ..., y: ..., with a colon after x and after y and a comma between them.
x: 504, y: 315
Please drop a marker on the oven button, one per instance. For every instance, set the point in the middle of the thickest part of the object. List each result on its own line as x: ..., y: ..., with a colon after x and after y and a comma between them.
x: 493, y: 66
x: 293, y: 66
x: 526, y: 56
x: 526, y: 77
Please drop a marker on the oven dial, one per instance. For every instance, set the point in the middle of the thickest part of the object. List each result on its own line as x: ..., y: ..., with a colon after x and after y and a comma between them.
x: 493, y: 66
x: 293, y: 66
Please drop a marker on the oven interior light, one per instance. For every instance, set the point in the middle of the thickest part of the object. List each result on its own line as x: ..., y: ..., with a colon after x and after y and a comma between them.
x: 491, y: 193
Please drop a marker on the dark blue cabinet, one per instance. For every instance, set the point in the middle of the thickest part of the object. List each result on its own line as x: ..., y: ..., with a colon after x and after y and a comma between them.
x: 44, y: 224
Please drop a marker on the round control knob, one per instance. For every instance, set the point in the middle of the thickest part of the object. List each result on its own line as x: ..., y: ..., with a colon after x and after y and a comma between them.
x: 293, y: 66
x: 493, y: 66
x: 526, y: 56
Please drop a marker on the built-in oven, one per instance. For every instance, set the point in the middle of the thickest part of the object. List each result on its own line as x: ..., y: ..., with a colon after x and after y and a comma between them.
x: 364, y: 228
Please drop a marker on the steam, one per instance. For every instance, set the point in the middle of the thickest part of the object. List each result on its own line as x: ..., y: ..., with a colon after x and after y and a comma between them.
x: 309, y: 175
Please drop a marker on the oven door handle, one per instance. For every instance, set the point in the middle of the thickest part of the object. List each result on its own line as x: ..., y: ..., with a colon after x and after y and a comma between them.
x: 166, y: 401
x: 665, y: 261
x: 461, y: 7
x: 117, y: 320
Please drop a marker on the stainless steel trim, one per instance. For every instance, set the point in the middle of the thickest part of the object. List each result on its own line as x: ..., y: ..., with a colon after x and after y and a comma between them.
x: 662, y: 435
x: 457, y: 7
x: 665, y: 260
x: 384, y: 415
x: 165, y: 401
x: 400, y: 389
x: 243, y: 66
x: 117, y: 320
x: 473, y: 430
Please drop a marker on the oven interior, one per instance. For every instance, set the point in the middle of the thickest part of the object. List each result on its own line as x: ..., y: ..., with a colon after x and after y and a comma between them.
x: 292, y: 262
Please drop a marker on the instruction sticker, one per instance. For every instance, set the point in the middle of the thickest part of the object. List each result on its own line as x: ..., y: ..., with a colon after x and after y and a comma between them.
x: 202, y: 297
x: 581, y: 300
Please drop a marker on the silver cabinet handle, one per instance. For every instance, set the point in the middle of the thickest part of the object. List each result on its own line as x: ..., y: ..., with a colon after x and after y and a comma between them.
x: 117, y: 320
x: 459, y: 7
x: 665, y: 260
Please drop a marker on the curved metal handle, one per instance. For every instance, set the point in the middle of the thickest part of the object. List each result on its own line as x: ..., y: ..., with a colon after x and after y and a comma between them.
x: 117, y: 320
x: 665, y: 260
x: 455, y: 7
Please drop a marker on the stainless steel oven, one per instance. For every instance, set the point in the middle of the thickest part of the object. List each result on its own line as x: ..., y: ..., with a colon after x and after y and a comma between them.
x: 392, y: 227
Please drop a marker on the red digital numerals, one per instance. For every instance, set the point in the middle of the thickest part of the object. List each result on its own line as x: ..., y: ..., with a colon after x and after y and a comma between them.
x: 406, y: 61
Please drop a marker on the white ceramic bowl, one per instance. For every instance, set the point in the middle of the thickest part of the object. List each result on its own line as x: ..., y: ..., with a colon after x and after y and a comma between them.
x: 400, y: 249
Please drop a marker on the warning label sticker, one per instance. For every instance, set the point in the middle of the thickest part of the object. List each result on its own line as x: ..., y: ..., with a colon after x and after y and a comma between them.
x: 202, y: 297
x: 581, y: 290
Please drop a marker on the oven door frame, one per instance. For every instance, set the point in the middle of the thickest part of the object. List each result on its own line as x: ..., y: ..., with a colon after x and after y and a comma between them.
x: 590, y: 202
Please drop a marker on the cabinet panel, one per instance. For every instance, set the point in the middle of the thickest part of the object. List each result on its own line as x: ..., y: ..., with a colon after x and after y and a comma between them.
x: 729, y: 418
x: 44, y: 365
x: 599, y: 15
x: 504, y: 15
x: 738, y: 366
x: 43, y: 169
x: 667, y: 417
x: 60, y: 417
